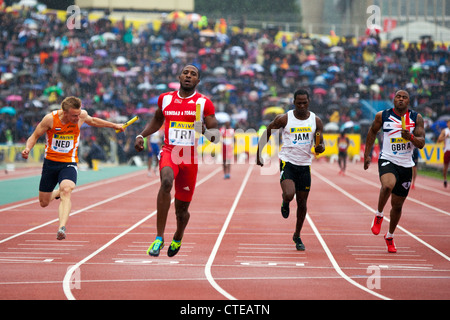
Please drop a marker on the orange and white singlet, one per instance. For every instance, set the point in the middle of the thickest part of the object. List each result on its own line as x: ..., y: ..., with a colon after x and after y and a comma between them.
x: 62, y: 141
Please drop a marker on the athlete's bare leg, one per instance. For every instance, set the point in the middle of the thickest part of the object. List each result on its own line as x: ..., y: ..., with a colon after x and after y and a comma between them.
x: 183, y: 215
x: 65, y: 191
x: 46, y: 197
x: 388, y: 182
x: 163, y: 200
x: 396, y: 211
x: 302, y: 198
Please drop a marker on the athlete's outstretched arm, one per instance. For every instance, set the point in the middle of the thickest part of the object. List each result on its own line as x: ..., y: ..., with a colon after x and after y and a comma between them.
x: 279, y: 122
x: 370, y: 140
x: 99, y: 123
x: 151, y: 127
x: 42, y: 127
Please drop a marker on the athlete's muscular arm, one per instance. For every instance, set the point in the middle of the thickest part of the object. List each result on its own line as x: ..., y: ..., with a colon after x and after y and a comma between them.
x: 211, y: 131
x: 152, y: 126
x: 419, y: 133
x: 279, y: 122
x: 42, y: 127
x: 97, y: 122
x: 441, y: 137
x: 319, y: 129
x: 371, y: 136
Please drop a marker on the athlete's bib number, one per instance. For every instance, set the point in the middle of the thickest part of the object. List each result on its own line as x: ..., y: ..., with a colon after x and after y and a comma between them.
x: 62, y: 143
x: 181, y: 134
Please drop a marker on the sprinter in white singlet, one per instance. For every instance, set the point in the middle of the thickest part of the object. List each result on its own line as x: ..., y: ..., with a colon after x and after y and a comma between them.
x: 395, y: 162
x: 299, y: 129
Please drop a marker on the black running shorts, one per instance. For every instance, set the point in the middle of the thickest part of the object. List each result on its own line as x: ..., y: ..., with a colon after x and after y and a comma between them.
x: 402, y: 175
x: 301, y: 175
x: 54, y: 172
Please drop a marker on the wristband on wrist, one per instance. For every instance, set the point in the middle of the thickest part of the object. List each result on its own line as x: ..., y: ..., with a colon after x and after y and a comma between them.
x: 139, y: 136
x: 412, y: 137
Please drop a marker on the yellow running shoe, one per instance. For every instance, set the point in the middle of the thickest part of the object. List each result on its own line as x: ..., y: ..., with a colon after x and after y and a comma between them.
x: 155, y: 247
x: 174, y: 248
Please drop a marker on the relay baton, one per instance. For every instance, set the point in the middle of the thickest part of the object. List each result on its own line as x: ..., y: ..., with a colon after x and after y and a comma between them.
x: 317, y: 140
x: 198, y: 111
x: 403, y: 123
x: 129, y: 122
x: 198, y: 117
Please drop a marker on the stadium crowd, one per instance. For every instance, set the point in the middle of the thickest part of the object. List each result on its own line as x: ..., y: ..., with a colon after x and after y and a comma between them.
x: 119, y: 71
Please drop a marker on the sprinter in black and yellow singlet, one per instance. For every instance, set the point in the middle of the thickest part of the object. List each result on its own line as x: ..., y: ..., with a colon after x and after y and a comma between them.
x: 299, y: 129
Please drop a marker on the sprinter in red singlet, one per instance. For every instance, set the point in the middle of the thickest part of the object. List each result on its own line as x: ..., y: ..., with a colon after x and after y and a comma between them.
x: 178, y: 161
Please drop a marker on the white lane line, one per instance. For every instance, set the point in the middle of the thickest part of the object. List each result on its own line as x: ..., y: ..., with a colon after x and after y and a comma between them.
x: 78, y: 189
x: 371, y: 210
x: 409, y: 197
x: 82, y: 210
x: 220, y: 238
x: 418, y: 184
x: 336, y: 265
x: 72, y: 269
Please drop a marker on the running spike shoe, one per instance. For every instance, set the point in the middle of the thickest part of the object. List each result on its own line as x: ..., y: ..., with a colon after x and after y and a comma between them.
x: 298, y: 243
x: 155, y: 248
x: 376, y: 225
x: 285, y: 210
x: 174, y: 248
x: 61, y: 234
x: 390, y: 244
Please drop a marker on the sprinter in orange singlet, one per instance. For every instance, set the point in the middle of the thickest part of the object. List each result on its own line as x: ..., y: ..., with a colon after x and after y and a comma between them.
x: 62, y: 129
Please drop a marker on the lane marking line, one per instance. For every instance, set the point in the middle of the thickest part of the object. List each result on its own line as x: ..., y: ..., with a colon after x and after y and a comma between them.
x: 220, y: 238
x: 67, y: 278
x: 82, y: 210
x: 371, y: 210
x: 336, y: 265
x: 408, y: 198
x: 81, y: 188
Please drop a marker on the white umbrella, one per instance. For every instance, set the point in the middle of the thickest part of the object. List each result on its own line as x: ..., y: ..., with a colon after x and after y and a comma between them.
x: 223, y: 117
x: 121, y: 60
x: 331, y: 127
x: 219, y: 71
x: 37, y: 104
x: 337, y: 49
x: 347, y: 125
x: 257, y: 67
x: 193, y: 17
x: 237, y: 51
x: 144, y: 86
x: 109, y: 36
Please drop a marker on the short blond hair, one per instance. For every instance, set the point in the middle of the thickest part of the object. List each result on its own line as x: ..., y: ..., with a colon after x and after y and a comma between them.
x: 71, y: 103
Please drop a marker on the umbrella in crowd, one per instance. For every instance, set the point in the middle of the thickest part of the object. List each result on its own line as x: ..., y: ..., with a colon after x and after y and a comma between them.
x: 193, y: 17
x: 14, y: 98
x: 331, y: 127
x: 273, y: 110
x: 370, y: 42
x: 174, y: 15
x: 52, y: 89
x: 142, y: 111
x: 121, y: 68
x: 223, y: 117
x: 8, y: 110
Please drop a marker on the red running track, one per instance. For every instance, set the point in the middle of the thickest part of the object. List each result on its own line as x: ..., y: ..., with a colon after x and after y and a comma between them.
x: 236, y: 246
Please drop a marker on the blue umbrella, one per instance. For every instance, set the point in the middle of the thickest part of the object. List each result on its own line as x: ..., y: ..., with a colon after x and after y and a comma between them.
x: 153, y: 100
x: 370, y: 42
x: 430, y: 63
x: 438, y: 126
x: 8, y: 110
